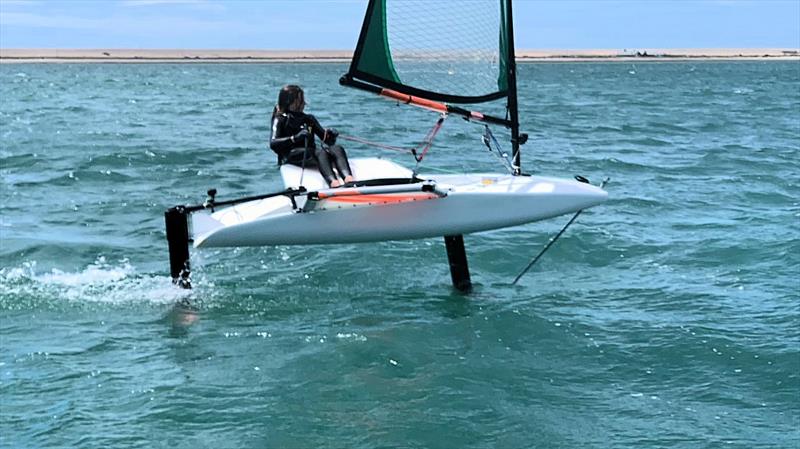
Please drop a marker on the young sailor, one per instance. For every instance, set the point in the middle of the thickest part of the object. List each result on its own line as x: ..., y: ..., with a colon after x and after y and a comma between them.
x: 292, y: 130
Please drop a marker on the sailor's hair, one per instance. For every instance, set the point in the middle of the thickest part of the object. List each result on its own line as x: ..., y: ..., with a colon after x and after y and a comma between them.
x: 287, y: 95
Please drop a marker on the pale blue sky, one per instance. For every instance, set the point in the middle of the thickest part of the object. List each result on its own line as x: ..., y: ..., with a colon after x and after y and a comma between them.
x: 334, y: 24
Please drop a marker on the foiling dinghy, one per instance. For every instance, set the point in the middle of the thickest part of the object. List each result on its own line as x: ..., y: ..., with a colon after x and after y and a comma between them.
x: 412, y: 53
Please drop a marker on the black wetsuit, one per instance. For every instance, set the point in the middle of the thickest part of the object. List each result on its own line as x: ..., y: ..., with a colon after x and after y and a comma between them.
x: 291, y: 149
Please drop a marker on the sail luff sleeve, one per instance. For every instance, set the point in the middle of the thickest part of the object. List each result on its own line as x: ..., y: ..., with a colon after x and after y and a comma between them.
x: 362, y: 36
x: 513, y: 108
x: 502, y: 75
x: 374, y: 55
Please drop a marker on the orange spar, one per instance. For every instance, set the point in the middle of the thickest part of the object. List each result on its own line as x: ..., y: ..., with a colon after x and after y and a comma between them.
x: 418, y: 101
x: 381, y: 198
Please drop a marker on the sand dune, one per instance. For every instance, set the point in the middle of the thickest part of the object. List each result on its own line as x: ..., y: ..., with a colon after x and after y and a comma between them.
x: 261, y: 56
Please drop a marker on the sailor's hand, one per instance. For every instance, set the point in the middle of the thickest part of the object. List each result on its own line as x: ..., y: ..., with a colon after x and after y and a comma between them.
x: 330, y: 136
x: 300, y: 137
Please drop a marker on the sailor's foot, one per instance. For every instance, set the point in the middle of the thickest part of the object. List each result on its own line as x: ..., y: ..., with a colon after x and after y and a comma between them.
x: 336, y: 183
x: 348, y: 179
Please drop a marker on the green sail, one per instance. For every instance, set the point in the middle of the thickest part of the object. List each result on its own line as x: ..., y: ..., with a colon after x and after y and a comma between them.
x: 502, y: 76
x: 443, y: 50
x: 375, y: 57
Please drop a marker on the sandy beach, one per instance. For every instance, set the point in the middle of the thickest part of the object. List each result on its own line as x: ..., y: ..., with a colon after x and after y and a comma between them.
x: 13, y: 55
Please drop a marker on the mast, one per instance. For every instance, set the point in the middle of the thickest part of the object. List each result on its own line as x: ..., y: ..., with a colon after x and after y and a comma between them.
x: 513, y: 112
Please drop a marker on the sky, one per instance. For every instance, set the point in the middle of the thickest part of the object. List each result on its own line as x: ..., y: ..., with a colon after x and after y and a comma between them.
x: 335, y: 24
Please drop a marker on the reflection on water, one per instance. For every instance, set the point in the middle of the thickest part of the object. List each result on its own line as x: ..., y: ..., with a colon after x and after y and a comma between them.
x: 182, y: 316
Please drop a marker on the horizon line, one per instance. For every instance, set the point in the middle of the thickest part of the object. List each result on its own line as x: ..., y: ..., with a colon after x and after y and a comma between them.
x: 327, y: 55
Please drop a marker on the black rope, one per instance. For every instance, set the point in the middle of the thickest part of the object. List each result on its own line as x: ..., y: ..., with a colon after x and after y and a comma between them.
x: 305, y: 155
x: 291, y: 193
x: 552, y: 240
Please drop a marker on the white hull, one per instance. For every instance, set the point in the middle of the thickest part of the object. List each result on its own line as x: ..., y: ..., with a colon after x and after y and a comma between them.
x: 471, y: 203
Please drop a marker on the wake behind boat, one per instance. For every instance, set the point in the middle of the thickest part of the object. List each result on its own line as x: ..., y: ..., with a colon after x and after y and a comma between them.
x: 429, y: 67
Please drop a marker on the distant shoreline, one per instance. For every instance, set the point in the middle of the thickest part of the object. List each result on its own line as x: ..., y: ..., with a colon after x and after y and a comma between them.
x: 343, y: 56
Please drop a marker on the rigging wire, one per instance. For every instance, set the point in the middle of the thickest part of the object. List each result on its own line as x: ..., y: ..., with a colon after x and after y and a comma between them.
x: 375, y: 144
x: 489, y: 140
x: 553, y: 239
x: 428, y: 142
x: 425, y: 145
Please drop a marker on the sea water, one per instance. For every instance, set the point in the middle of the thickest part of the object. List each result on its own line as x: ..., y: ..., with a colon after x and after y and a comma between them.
x: 667, y: 317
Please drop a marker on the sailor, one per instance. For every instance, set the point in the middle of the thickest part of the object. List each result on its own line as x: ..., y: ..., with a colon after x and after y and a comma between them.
x: 292, y: 138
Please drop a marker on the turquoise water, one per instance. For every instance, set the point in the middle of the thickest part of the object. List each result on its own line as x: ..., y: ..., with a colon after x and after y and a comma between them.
x: 668, y: 317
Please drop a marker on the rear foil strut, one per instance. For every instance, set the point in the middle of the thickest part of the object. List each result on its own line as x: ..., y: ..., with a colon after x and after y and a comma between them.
x: 177, y: 221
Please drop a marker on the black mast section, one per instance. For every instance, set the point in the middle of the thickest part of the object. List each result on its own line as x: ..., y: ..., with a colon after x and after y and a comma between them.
x: 513, y: 112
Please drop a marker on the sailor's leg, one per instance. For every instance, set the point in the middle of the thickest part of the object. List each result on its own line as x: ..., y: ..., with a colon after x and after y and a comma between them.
x: 325, y: 166
x: 340, y: 159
